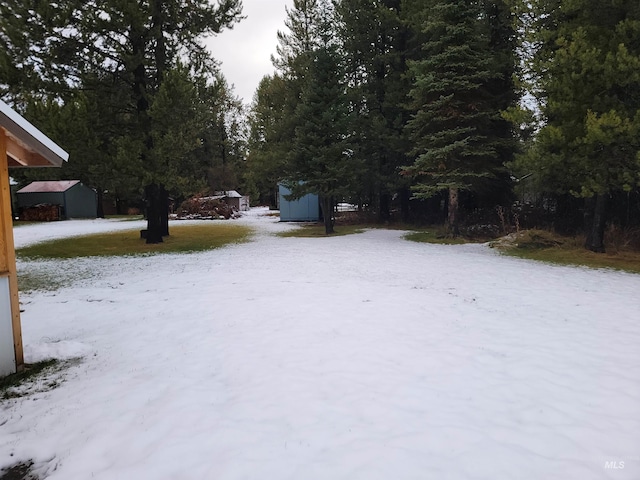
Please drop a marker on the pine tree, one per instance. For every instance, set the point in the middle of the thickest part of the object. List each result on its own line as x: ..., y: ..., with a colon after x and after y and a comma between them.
x: 586, y: 74
x: 272, y: 119
x: 453, y: 128
x: 269, y: 143
x: 298, y: 130
x: 373, y: 42
x: 124, y: 47
x: 318, y: 162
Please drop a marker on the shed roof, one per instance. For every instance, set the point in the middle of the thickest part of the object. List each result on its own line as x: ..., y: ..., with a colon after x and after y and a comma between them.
x: 49, y: 187
x: 26, y: 145
x: 228, y: 194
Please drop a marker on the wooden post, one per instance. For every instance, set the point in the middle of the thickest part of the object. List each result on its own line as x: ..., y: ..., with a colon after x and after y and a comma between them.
x: 7, y: 251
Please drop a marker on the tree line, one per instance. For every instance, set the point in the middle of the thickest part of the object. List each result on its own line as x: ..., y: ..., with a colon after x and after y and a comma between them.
x: 432, y: 111
x: 439, y: 110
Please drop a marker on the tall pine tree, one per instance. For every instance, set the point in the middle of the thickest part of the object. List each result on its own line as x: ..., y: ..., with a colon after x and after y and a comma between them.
x: 456, y: 126
x: 126, y: 46
x: 585, y: 71
x: 318, y: 162
x: 373, y: 42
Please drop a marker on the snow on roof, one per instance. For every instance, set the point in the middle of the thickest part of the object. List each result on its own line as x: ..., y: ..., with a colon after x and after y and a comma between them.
x: 49, y: 187
x: 211, y: 197
x: 228, y: 194
x: 26, y: 145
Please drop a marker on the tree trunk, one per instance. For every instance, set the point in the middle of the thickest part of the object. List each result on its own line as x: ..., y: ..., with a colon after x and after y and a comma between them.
x: 160, y: 50
x: 595, y: 219
x: 327, y: 214
x: 164, y: 211
x: 154, y: 213
x: 452, y: 212
x: 405, y: 196
x: 384, y: 214
x: 100, y: 198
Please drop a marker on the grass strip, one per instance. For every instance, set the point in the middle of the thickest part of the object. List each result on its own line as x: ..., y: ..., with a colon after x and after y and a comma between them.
x: 433, y: 236
x: 182, y: 238
x: 548, y: 247
x: 563, y: 255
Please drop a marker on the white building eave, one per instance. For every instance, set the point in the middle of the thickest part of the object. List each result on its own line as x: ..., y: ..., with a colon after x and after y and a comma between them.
x: 26, y: 145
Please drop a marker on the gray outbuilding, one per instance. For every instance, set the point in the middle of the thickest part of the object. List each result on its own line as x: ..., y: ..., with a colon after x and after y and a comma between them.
x: 240, y: 203
x: 76, y: 199
x: 305, y: 209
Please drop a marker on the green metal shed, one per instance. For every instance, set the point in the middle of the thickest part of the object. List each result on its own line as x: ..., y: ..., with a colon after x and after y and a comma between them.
x: 76, y: 199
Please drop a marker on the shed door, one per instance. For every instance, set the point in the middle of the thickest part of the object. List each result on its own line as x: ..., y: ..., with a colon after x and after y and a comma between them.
x: 7, y: 354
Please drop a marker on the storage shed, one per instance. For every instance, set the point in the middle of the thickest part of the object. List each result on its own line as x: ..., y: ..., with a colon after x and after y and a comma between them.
x: 236, y: 201
x: 305, y: 209
x: 21, y: 145
x: 76, y: 199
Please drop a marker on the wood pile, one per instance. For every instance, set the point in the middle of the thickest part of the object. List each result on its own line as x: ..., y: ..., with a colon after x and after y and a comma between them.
x: 205, y: 208
x: 43, y: 212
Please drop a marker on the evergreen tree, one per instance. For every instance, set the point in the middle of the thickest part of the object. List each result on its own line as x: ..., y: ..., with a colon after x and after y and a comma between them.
x: 456, y: 146
x: 269, y: 143
x: 298, y: 131
x: 585, y: 72
x: 273, y: 119
x: 318, y: 162
x: 373, y: 42
x: 83, y: 125
x: 127, y: 47
x: 504, y: 97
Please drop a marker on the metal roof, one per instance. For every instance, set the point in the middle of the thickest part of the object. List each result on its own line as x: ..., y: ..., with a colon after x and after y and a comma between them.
x: 49, y: 187
x: 26, y: 145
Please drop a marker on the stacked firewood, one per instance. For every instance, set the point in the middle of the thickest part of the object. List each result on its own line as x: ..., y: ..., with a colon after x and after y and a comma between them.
x: 43, y: 212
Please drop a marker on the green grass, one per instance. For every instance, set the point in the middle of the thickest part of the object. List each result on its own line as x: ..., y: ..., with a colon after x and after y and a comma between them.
x: 182, y: 238
x: 626, y: 261
x: 316, y: 230
x: 433, y: 236
x: 547, y: 247
x: 40, y: 281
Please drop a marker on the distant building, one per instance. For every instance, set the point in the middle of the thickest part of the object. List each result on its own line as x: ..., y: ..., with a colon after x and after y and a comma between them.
x: 76, y: 199
x: 305, y: 209
x: 240, y: 203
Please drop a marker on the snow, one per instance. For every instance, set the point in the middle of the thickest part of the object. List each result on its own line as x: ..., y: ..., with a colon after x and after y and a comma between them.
x: 355, y: 357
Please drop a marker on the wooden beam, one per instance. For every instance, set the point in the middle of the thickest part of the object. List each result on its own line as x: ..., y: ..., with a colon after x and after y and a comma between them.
x: 19, y: 156
x: 7, y: 250
x: 16, y: 152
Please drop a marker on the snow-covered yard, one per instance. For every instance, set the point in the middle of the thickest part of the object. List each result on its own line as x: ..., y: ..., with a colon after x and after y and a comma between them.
x: 357, y: 357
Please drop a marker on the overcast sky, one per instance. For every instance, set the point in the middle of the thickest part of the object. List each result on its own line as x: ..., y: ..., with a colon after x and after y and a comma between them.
x: 245, y: 51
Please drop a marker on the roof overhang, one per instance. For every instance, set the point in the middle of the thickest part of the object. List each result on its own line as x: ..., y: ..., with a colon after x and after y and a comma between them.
x: 26, y: 145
